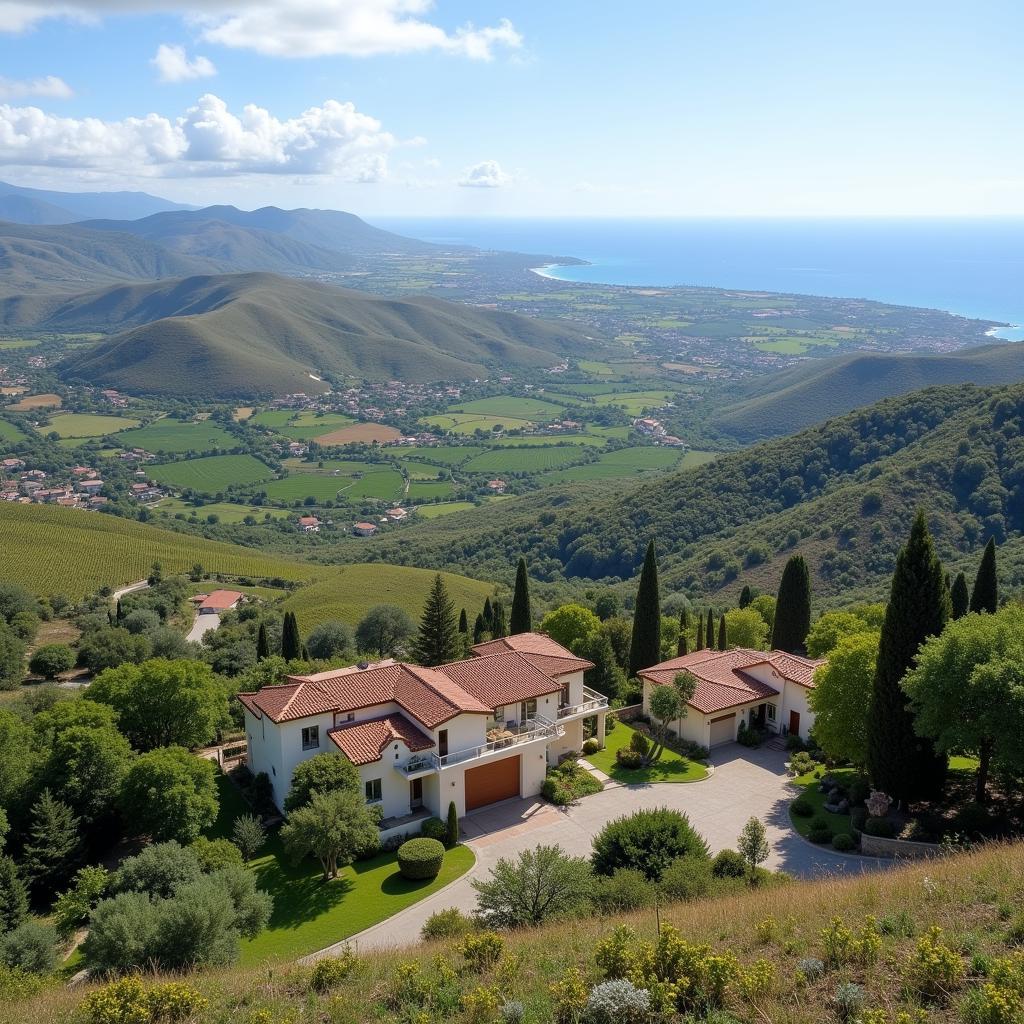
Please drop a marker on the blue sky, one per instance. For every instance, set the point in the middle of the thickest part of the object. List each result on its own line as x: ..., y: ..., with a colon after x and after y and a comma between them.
x: 532, y: 107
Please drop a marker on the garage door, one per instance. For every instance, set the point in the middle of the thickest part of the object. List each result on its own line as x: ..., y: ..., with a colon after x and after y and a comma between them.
x: 723, y: 730
x: 489, y: 783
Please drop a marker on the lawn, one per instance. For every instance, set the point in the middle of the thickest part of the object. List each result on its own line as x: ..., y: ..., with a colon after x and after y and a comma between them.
x: 82, y: 424
x: 671, y: 767
x: 212, y: 474
x: 808, y: 786
x: 310, y: 914
x: 178, y: 436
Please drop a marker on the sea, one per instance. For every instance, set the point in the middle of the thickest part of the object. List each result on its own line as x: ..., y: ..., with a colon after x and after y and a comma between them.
x: 973, y: 267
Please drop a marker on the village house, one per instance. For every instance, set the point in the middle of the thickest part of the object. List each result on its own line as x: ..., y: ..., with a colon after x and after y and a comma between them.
x: 309, y: 524
x: 218, y: 601
x: 396, y: 515
x: 12, y: 465
x: 89, y: 486
x: 498, y: 486
x: 471, y: 733
x: 364, y: 529
x: 757, y: 689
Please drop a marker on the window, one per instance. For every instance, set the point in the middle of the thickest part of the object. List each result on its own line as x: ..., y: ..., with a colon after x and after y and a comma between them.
x: 499, y: 716
x: 442, y: 742
x: 348, y: 716
x: 373, y: 793
x: 771, y: 712
x: 311, y: 737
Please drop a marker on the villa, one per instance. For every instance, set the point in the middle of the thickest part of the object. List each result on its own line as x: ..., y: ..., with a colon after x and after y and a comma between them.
x: 472, y: 732
x: 758, y: 689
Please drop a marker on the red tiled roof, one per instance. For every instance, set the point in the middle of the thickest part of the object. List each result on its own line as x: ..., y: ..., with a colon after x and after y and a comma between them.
x: 722, y: 679
x: 525, y: 643
x: 221, y: 599
x: 363, y: 742
x: 501, y: 679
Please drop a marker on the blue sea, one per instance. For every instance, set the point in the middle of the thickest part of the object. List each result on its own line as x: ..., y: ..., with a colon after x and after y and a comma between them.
x: 974, y: 267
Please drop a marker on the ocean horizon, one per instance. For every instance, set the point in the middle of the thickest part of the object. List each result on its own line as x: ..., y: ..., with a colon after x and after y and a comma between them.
x: 971, y: 267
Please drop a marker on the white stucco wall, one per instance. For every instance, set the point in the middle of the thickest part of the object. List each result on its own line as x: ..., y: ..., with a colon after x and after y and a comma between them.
x: 395, y: 791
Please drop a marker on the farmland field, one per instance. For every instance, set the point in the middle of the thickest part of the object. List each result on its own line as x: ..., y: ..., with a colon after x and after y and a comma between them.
x: 53, y: 550
x: 443, y: 508
x: 624, y: 462
x: 212, y: 474
x: 523, y: 460
x: 299, y: 486
x: 532, y: 441
x: 427, y: 490
x: 307, y: 424
x: 635, y: 402
x: 360, y: 433
x: 510, y: 405
x: 11, y: 343
x: 468, y: 423
x: 9, y: 432
x: 453, y: 455
x: 386, y: 484
x: 420, y: 470
x: 75, y: 424
x: 226, y: 511
x: 178, y: 436
x: 47, y: 401
x: 349, y: 592
x: 271, y: 418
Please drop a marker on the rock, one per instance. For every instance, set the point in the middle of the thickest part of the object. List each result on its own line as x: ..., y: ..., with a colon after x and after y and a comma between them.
x: 844, y: 806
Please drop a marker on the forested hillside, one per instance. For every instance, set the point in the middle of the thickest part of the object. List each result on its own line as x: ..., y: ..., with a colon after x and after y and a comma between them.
x: 843, y: 494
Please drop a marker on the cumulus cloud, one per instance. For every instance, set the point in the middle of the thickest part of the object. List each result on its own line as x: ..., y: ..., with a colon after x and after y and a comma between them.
x: 172, y: 65
x: 294, y: 28
x: 19, y: 88
x: 208, y: 139
x: 486, y: 174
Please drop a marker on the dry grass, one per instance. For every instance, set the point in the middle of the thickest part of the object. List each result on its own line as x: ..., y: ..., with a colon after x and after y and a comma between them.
x: 48, y: 401
x: 360, y: 433
x: 969, y: 896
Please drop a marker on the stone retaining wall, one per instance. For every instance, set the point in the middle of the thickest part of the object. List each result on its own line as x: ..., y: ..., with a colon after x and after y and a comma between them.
x: 878, y: 846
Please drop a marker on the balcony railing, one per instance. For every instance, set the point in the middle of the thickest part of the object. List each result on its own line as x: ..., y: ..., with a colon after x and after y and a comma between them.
x: 592, y: 702
x: 535, y: 728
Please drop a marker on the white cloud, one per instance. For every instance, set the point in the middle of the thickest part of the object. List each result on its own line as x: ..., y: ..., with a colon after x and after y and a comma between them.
x: 207, y: 140
x: 486, y: 174
x: 172, y: 64
x: 293, y: 28
x: 50, y: 86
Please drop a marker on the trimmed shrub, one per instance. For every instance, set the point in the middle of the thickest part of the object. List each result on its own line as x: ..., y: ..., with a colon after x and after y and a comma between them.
x: 728, y: 864
x: 449, y: 923
x: 802, y: 807
x: 639, y: 743
x: 885, y: 828
x: 591, y: 746
x: 420, y: 858
x: 648, y: 840
x: 626, y: 758
x: 452, y: 823
x: 820, y: 835
x: 843, y: 842
x: 617, y: 1002
x: 434, y: 828
x: 686, y: 879
x: 801, y: 763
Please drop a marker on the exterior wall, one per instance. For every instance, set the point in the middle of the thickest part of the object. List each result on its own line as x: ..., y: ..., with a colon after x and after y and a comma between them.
x: 547, y: 707
x: 292, y: 752
x: 463, y: 731
x: 575, y: 684
x: 532, y: 769
x: 264, y: 750
x: 794, y: 698
x: 572, y: 740
x: 394, y: 786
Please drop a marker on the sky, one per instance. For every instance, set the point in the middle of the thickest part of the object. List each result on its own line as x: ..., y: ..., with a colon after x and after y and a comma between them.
x: 582, y: 108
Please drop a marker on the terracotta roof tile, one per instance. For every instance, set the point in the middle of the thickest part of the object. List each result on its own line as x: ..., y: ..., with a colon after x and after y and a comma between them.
x: 526, y: 643
x: 501, y: 679
x: 364, y: 742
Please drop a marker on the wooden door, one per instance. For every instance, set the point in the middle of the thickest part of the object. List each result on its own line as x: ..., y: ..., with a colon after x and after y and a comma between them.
x: 794, y: 723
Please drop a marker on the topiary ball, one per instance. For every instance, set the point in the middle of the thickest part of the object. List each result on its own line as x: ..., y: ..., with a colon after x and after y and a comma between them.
x: 421, y: 858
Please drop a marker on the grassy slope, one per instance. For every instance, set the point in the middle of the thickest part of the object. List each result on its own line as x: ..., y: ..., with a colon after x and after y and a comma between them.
x: 968, y: 896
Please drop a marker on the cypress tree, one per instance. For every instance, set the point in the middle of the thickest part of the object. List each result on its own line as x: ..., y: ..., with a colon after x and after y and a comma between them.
x: 709, y: 636
x: 522, y: 617
x: 488, y: 613
x: 960, y: 598
x: 499, y: 622
x: 683, y: 646
x: 699, y: 640
x: 463, y: 622
x: 793, y: 608
x: 120, y: 611
x: 985, y: 595
x: 479, y: 628
x: 262, y: 643
x: 438, y: 641
x: 901, y: 763
x: 291, y: 644
x: 305, y: 653
x: 645, y: 644
x: 722, y: 638
x: 745, y: 596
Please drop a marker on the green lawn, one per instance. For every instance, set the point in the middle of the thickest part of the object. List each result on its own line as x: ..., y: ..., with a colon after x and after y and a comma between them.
x: 808, y: 786
x: 671, y: 767
x: 310, y: 914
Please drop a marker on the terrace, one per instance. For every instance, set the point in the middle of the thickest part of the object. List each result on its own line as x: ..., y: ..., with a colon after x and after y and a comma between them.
x: 592, y: 703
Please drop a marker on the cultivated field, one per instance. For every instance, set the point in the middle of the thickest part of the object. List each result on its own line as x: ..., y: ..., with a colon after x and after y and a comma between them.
x: 468, y: 423
x: 10, y: 433
x: 211, y: 474
x: 510, y: 405
x: 81, y: 424
x: 443, y: 508
x: 454, y: 455
x: 427, y: 490
x: 523, y: 460
x: 360, y: 433
x: 177, y: 437
x: 225, y: 511
x: 299, y: 486
x: 635, y: 402
x: 29, y: 402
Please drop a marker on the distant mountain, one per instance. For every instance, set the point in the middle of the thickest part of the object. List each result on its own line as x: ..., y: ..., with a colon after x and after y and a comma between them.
x: 239, y: 335
x: 25, y: 210
x: 819, y: 389
x: 329, y: 230
x: 85, y: 205
x: 70, y: 258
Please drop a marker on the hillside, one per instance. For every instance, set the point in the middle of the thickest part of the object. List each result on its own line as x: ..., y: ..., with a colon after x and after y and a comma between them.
x: 842, y: 494
x: 763, y: 933
x: 26, y: 210
x: 240, y: 335
x: 782, y: 403
x: 83, y: 205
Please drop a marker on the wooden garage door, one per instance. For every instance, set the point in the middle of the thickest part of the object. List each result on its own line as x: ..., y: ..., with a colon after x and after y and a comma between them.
x: 489, y: 783
x: 723, y: 730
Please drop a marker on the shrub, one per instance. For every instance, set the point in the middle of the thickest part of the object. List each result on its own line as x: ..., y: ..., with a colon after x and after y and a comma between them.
x: 800, y: 763
x: 728, y: 864
x: 626, y: 758
x: 31, y: 947
x: 627, y: 889
x: 811, y: 968
x: 214, y: 854
x: 640, y: 744
x: 794, y: 742
x: 849, y: 1000
x: 617, y: 1002
x: 591, y: 746
x: 434, y: 828
x: 420, y: 858
x: 449, y: 923
x: 859, y: 790
x: 512, y: 1012
x: 648, y: 840
x: 452, y: 822
x: 802, y: 807
x: 52, y: 659
x: 972, y: 819
x: 882, y: 827
x: 858, y: 818
x: 569, y: 997
x: 843, y: 842
x: 482, y: 951
x: 331, y: 971
x: 820, y: 835
x: 127, y: 1002
x: 687, y: 878
x: 935, y: 970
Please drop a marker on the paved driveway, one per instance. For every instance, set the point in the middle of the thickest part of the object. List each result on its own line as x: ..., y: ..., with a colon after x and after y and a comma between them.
x: 746, y: 783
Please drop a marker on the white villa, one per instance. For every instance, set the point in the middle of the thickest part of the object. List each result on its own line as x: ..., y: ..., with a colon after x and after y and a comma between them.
x: 474, y: 732
x: 755, y: 688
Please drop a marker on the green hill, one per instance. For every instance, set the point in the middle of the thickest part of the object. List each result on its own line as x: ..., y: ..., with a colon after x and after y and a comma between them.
x: 782, y: 403
x: 842, y: 494
x: 227, y: 336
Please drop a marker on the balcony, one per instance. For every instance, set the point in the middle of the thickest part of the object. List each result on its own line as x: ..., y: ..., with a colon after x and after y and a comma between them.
x: 592, y: 703
x: 535, y: 728
x: 418, y: 765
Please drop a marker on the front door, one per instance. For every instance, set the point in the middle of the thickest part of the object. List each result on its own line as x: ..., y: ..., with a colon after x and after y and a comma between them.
x: 415, y: 794
x: 794, y: 723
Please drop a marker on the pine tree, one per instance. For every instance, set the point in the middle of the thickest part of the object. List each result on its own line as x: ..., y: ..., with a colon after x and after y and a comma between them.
x: 722, y: 638
x: 463, y: 622
x: 521, y: 620
x: 900, y: 763
x: 13, y: 896
x: 985, y: 595
x: 291, y: 643
x: 53, y: 844
x: 793, y: 608
x: 438, y: 641
x: 262, y: 643
x: 645, y: 645
x: 959, y: 596
x: 499, y: 621
x: 745, y: 596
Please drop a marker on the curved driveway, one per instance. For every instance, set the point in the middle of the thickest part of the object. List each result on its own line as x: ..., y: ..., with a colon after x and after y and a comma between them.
x: 746, y: 783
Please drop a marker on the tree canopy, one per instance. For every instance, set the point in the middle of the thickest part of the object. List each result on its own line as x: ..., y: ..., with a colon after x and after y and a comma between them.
x: 793, y: 608
x: 645, y: 646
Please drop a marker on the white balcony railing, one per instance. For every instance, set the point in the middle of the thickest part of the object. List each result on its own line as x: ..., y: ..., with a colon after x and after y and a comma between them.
x: 592, y: 702
x: 535, y: 728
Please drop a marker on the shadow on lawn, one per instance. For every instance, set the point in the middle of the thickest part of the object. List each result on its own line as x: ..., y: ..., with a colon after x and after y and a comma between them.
x: 299, y: 891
